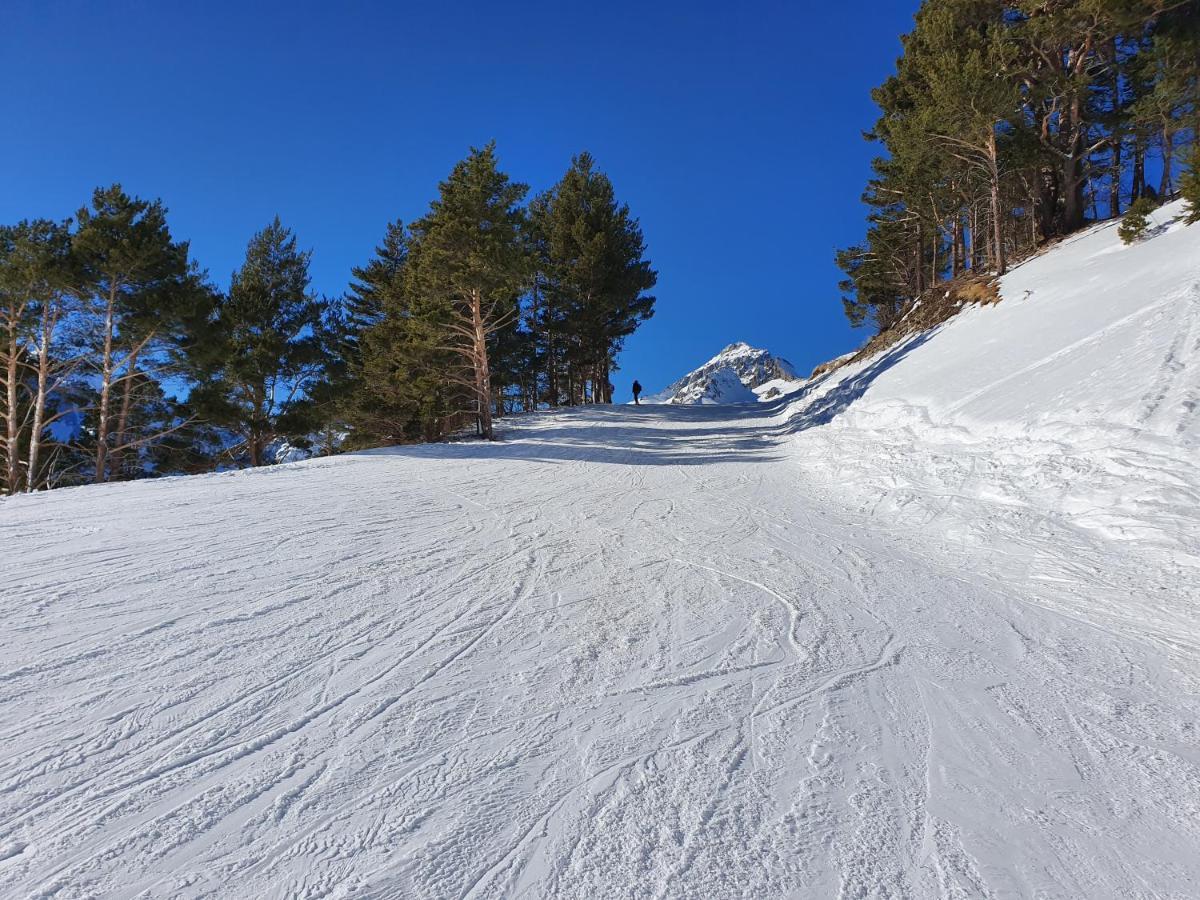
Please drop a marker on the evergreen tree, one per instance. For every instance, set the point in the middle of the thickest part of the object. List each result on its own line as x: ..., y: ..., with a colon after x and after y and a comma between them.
x: 387, y: 374
x: 146, y: 302
x: 967, y: 108
x: 1136, y: 220
x: 547, y: 313
x: 268, y: 349
x: 599, y: 276
x: 54, y: 358
x: 17, y: 282
x: 367, y: 300
x: 398, y: 384
x: 466, y: 270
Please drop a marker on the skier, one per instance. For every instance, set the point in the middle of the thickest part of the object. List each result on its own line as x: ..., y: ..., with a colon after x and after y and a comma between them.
x: 637, y: 392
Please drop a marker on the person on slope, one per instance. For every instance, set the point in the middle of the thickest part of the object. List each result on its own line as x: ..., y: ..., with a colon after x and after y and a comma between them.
x: 637, y: 392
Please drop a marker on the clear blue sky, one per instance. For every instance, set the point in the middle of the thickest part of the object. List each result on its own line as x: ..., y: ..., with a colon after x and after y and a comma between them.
x: 733, y: 131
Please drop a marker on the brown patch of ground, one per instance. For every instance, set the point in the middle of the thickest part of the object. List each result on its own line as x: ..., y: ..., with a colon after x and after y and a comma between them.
x: 932, y: 308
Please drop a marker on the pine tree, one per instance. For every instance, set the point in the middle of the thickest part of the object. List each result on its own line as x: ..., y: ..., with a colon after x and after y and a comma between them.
x: 145, y: 301
x: 467, y: 267
x: 15, y: 288
x: 599, y: 276
x: 398, y: 384
x: 547, y: 314
x: 402, y: 393
x: 53, y: 361
x: 366, y: 303
x: 1136, y: 220
x: 268, y: 349
x: 967, y: 108
x: 382, y: 399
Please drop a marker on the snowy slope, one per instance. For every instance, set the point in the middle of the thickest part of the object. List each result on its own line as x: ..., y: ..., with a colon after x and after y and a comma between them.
x: 1094, y: 334
x: 729, y: 377
x: 927, y: 628
x: 1079, y: 395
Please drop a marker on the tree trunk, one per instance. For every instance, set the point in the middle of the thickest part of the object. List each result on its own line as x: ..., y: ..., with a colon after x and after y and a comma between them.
x: 13, y: 463
x: 974, y: 225
x: 551, y: 366
x: 1072, y: 169
x: 1048, y: 196
x: 990, y: 239
x: 1139, y: 168
x: 106, y: 374
x: 551, y: 370
x: 1118, y: 136
x: 483, y: 379
x: 920, y: 267
x: 127, y: 389
x: 1114, y: 181
x: 1073, y: 199
x: 955, y: 239
x: 1168, y: 154
x: 934, y: 271
x: 1033, y: 219
x: 39, y: 400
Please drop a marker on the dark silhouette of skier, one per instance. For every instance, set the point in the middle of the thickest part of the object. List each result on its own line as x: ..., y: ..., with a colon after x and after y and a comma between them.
x: 637, y: 392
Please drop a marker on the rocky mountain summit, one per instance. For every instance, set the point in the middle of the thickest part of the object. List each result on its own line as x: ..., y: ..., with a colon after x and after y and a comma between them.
x: 729, y: 377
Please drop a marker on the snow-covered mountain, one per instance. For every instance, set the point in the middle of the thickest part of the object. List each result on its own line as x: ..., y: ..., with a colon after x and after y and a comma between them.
x: 729, y: 377
x: 924, y: 627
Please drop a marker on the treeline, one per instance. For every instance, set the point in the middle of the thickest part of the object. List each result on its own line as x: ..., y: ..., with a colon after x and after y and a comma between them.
x: 120, y: 359
x: 1009, y: 124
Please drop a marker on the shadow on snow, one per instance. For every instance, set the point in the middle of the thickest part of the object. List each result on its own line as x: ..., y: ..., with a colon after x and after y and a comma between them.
x: 669, y: 435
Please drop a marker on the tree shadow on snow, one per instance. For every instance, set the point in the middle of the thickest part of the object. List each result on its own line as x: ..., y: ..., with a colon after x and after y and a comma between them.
x: 620, y: 435
x: 651, y: 435
x: 826, y: 408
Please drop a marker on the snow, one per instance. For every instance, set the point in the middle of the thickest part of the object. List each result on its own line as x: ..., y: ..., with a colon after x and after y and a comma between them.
x: 777, y: 387
x: 732, y: 376
x: 925, y: 627
x: 721, y: 385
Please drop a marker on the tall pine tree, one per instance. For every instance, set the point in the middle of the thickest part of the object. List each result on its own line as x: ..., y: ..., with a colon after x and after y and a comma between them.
x: 598, y: 274
x: 145, y: 301
x: 466, y: 271
x: 268, y: 344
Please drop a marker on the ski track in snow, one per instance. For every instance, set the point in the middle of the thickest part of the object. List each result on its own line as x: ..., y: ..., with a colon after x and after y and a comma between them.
x: 646, y: 652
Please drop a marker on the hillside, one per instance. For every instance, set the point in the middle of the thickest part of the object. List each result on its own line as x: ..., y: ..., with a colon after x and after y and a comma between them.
x: 925, y: 626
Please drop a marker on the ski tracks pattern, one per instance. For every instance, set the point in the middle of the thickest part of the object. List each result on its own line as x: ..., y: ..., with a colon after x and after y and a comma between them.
x: 633, y: 652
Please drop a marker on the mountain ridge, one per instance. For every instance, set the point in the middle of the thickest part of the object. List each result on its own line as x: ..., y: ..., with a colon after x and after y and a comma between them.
x: 729, y: 377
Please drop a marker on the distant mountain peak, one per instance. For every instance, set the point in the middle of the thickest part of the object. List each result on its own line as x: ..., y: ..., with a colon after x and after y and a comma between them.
x: 729, y: 377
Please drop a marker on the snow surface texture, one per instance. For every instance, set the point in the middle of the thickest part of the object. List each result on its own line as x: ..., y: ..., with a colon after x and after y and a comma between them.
x: 732, y: 376
x: 925, y: 628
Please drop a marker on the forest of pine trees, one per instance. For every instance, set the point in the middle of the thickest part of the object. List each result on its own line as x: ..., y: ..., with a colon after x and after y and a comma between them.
x: 1011, y: 124
x: 120, y: 359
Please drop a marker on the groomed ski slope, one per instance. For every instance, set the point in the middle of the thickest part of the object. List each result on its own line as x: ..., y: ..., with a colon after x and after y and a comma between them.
x: 927, y: 628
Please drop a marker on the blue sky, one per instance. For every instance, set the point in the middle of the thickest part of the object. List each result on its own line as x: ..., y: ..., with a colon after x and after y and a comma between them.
x: 733, y: 131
